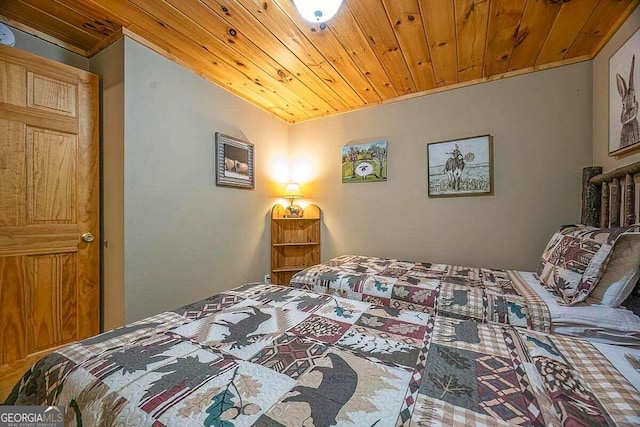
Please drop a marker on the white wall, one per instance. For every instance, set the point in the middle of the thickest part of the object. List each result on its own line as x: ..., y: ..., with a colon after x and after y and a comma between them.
x: 601, y: 97
x: 541, y: 124
x: 185, y: 238
x: 43, y: 48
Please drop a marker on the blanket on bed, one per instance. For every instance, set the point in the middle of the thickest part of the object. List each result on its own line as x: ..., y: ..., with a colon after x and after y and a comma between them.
x: 482, y: 294
x: 270, y: 355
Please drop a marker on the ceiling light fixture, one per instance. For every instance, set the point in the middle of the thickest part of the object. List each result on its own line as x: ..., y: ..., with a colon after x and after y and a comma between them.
x: 317, y: 11
x: 6, y: 35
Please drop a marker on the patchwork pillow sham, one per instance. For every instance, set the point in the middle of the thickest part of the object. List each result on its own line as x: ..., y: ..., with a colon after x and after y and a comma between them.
x: 576, y: 258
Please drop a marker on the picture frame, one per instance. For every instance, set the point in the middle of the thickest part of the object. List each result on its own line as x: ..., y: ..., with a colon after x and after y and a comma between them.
x: 366, y: 162
x: 460, y: 167
x: 624, y: 74
x: 234, y: 162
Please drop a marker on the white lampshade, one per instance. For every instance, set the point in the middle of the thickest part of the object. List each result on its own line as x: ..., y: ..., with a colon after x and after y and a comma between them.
x: 292, y: 191
x: 317, y: 11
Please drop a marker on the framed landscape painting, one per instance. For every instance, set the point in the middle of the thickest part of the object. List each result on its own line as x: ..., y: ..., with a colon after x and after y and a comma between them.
x: 624, y: 131
x: 461, y: 167
x: 365, y: 162
x: 234, y: 162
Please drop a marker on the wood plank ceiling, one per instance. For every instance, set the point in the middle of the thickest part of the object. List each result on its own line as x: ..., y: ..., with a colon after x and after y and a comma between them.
x: 371, y: 52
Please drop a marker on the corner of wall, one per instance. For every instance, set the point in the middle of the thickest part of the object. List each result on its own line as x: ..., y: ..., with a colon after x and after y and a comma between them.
x: 109, y: 65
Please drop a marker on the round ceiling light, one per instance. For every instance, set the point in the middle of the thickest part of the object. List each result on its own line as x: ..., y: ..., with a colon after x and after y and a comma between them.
x: 6, y: 35
x: 317, y: 11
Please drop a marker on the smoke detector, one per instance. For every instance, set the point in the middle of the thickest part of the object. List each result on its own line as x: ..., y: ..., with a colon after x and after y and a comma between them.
x: 6, y: 35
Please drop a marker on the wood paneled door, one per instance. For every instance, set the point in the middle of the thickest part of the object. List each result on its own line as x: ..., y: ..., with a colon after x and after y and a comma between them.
x: 49, y: 208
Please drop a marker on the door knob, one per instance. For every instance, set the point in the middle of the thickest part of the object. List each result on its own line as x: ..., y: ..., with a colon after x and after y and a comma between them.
x: 87, y: 237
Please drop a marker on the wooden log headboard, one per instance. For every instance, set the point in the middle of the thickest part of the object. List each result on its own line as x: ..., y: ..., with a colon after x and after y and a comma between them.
x: 608, y: 199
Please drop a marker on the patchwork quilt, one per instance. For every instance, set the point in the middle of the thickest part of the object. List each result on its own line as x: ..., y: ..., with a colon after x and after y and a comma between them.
x: 482, y: 294
x: 267, y: 355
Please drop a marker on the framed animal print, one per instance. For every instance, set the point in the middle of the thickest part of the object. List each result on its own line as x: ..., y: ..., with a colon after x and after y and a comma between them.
x: 365, y: 162
x: 234, y: 162
x: 460, y: 167
x: 624, y: 131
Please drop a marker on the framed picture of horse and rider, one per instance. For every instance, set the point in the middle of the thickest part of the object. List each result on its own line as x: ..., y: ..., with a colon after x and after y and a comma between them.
x: 460, y: 167
x: 624, y: 131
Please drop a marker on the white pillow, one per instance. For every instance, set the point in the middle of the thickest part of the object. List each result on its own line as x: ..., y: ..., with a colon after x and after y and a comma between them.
x: 622, y: 273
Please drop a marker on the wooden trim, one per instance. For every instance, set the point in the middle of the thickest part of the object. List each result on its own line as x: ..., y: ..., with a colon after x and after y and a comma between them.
x: 105, y: 43
x: 39, y: 34
x: 623, y: 152
x: 194, y: 69
x: 614, y: 29
x: 489, y: 79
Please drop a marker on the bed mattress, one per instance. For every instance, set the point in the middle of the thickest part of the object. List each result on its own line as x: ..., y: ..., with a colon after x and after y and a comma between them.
x: 269, y: 355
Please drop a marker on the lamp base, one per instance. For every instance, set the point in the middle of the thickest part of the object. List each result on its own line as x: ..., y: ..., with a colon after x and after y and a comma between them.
x: 293, y: 211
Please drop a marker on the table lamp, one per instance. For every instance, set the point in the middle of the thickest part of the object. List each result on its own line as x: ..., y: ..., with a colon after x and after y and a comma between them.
x: 291, y: 192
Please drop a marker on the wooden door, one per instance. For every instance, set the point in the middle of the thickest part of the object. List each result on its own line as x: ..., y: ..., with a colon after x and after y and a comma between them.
x: 49, y: 197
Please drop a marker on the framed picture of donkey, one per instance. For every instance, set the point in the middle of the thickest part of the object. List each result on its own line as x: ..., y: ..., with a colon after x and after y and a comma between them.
x: 460, y: 167
x: 624, y: 131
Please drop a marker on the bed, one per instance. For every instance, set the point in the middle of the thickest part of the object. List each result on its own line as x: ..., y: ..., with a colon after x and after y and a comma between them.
x: 392, y: 343
x: 586, y: 273
x: 481, y: 294
x: 461, y: 292
x: 270, y: 355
